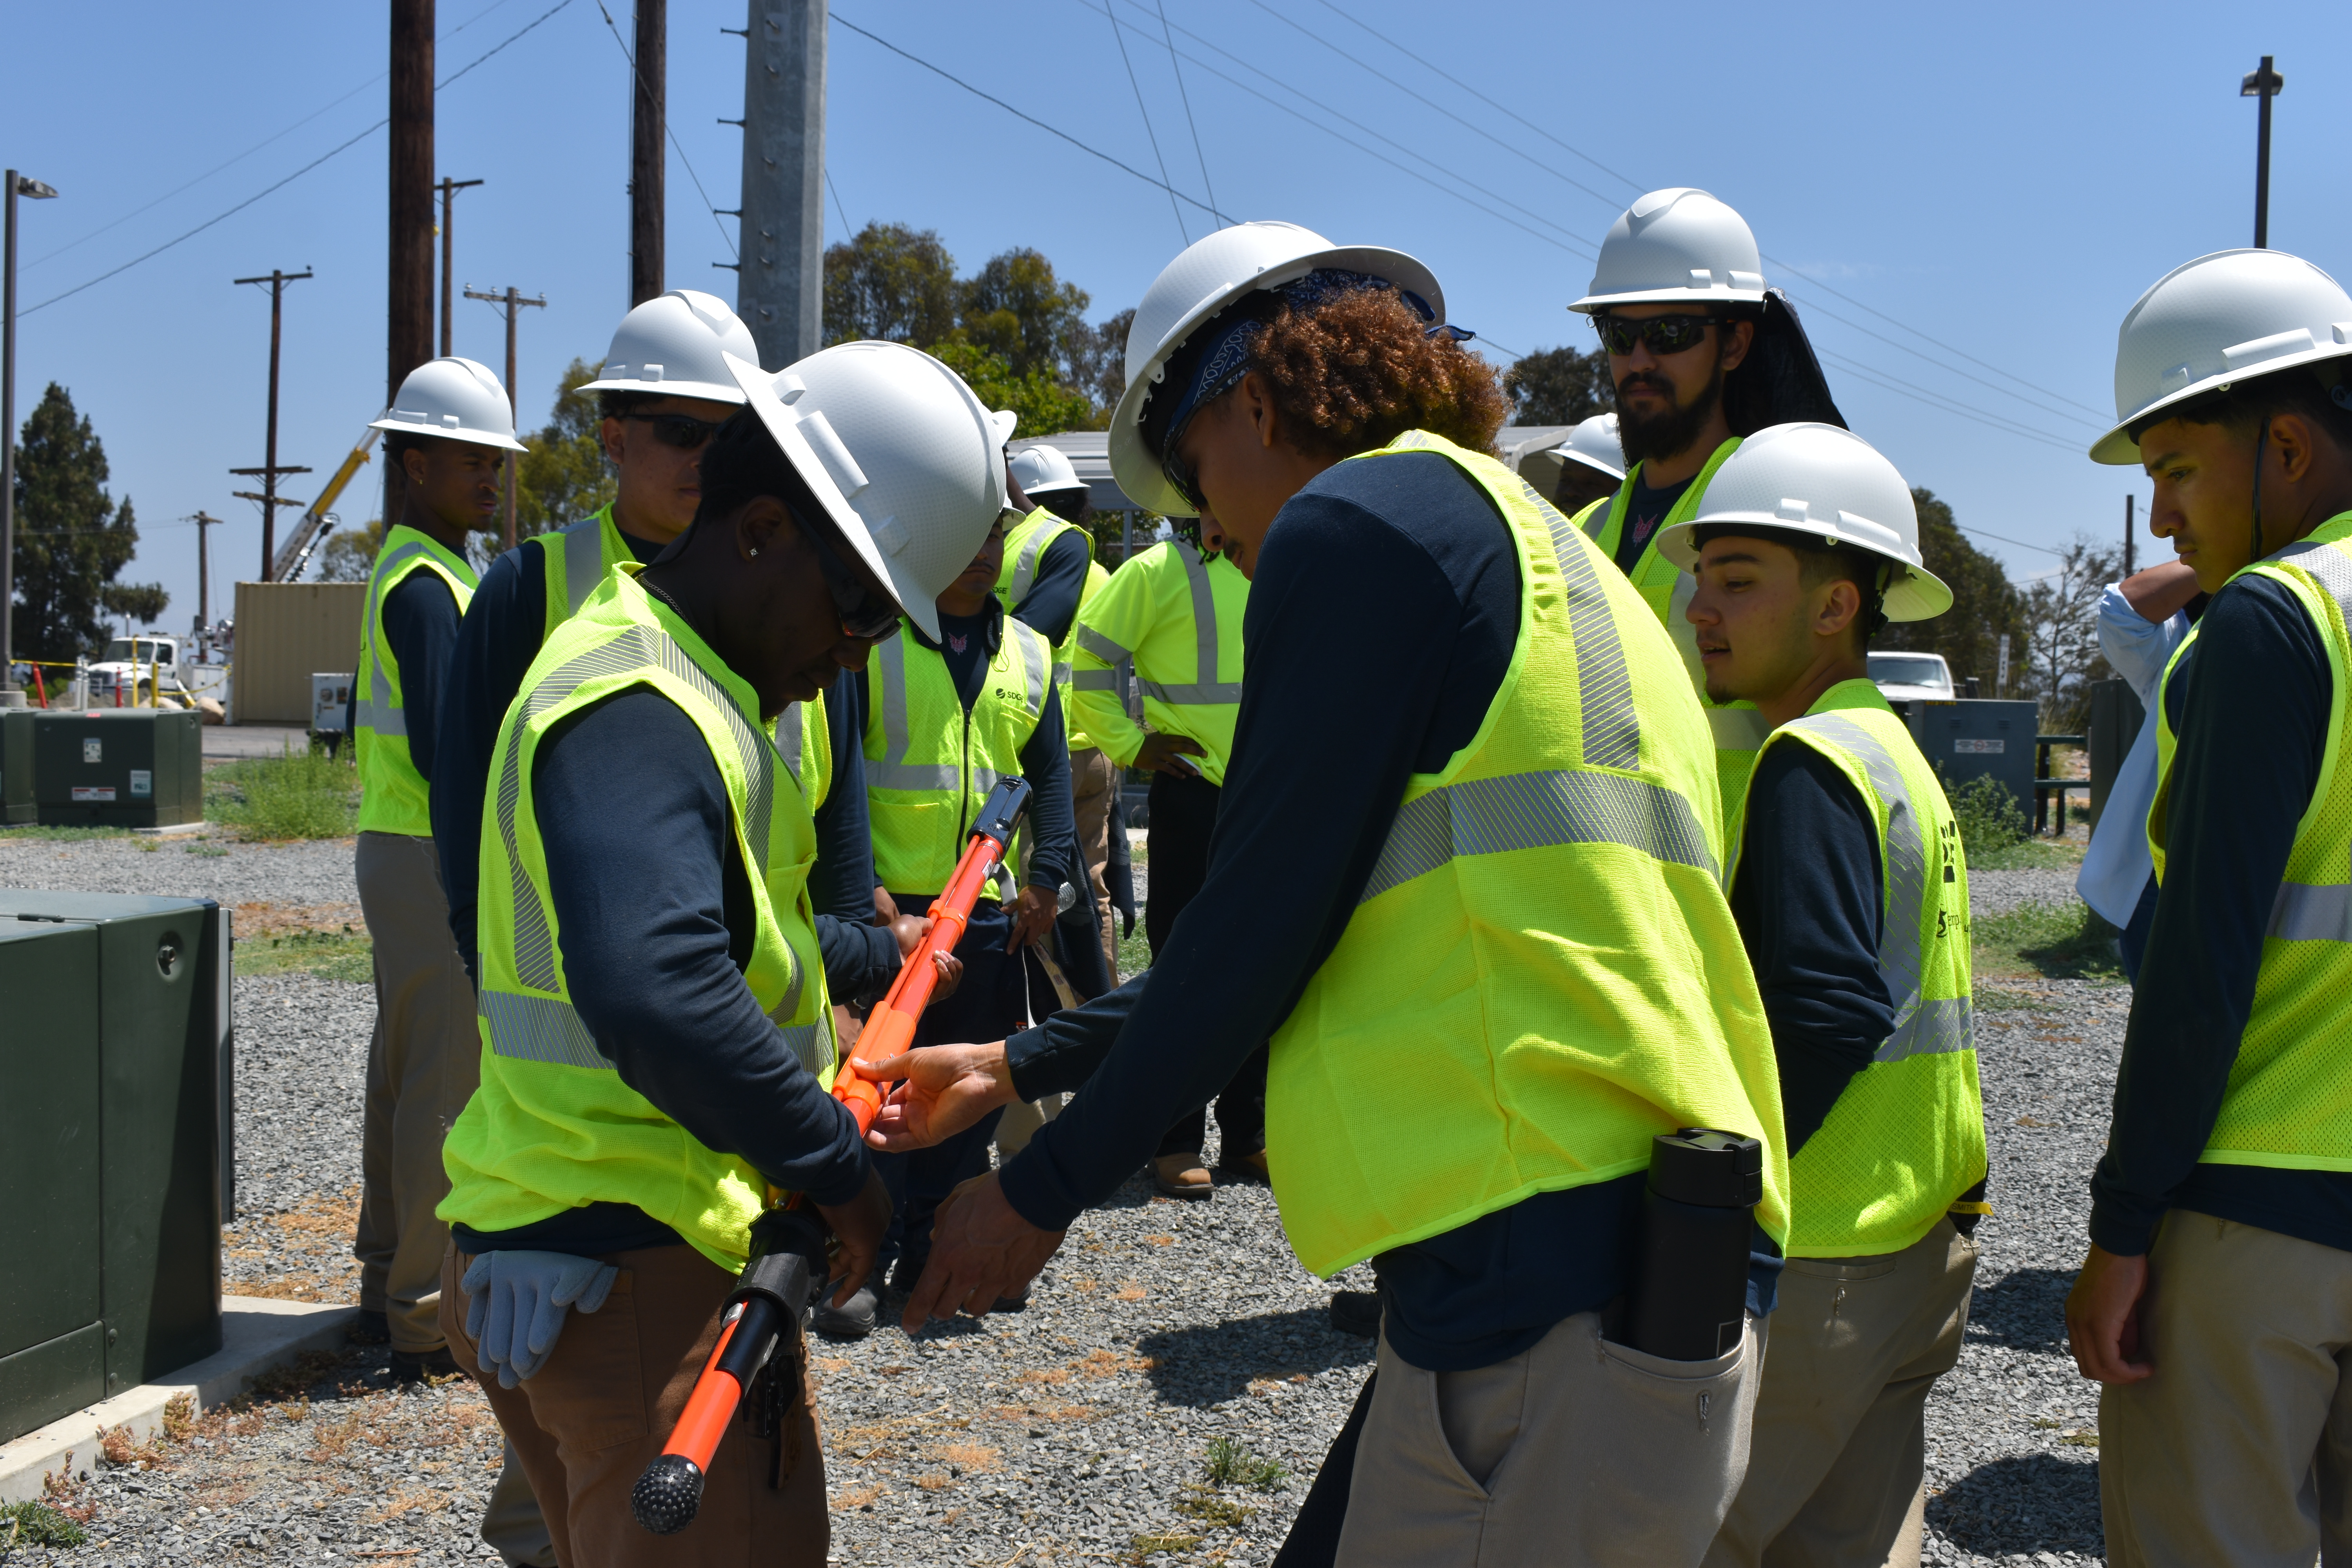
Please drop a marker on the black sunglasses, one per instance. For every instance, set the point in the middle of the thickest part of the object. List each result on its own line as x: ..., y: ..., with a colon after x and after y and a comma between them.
x: 683, y: 431
x: 1662, y: 335
x: 865, y: 615
x: 1179, y: 474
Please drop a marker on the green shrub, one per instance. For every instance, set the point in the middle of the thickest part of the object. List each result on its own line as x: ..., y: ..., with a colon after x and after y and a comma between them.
x: 37, y: 1524
x: 1988, y: 817
x: 1230, y: 1464
x: 298, y: 795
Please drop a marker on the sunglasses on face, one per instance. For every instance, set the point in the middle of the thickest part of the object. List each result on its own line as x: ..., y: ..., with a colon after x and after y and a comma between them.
x: 1179, y: 474
x: 1662, y: 334
x: 867, y: 616
x: 683, y: 431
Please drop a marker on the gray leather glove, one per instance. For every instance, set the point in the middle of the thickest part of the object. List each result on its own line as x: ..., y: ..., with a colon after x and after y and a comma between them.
x: 517, y: 1302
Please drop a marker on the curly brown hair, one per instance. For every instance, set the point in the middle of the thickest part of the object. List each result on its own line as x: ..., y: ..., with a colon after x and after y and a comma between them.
x: 1354, y: 373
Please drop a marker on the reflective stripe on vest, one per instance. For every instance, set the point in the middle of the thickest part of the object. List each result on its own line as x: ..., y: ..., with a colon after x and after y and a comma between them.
x: 1739, y: 729
x: 395, y: 798
x: 1906, y: 1137
x: 1204, y: 688
x: 1026, y: 546
x: 573, y: 560
x: 552, y: 1126
x: 1543, y: 972
x: 2288, y: 1101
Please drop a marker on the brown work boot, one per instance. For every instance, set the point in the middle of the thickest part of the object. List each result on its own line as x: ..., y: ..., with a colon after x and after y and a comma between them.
x: 1251, y: 1165
x: 1182, y: 1176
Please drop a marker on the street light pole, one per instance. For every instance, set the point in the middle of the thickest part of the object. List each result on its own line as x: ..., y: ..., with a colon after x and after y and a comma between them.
x: 11, y: 695
x: 2265, y: 84
x: 512, y: 303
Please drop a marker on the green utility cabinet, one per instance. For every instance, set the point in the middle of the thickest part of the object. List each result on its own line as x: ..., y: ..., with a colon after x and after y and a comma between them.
x: 112, y: 1070
x: 1977, y: 738
x: 17, y: 764
x: 119, y: 767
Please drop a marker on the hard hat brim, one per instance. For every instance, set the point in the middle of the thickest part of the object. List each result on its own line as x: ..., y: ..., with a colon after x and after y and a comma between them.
x: 1593, y: 302
x: 1567, y: 454
x: 1133, y: 463
x: 1913, y: 594
x: 440, y: 433
x: 784, y: 427
x: 709, y: 391
x: 2117, y: 446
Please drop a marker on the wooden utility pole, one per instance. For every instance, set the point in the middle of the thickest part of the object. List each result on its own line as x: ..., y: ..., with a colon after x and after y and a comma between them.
x: 2131, y: 505
x: 448, y: 189
x: 646, y: 165
x: 512, y: 303
x: 408, y: 318
x: 2265, y: 84
x: 206, y: 523
x: 271, y: 468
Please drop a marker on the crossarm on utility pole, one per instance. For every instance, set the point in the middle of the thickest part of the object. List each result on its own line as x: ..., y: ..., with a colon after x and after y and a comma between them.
x: 511, y: 301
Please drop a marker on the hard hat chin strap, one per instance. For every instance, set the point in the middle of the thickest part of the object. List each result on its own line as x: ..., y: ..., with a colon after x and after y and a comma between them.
x: 2262, y: 447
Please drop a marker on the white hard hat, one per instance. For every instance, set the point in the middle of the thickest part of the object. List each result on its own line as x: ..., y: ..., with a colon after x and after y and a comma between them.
x: 1003, y: 421
x: 454, y: 399
x: 1207, y: 275
x: 902, y: 457
x: 677, y: 346
x: 1595, y: 445
x: 2220, y: 319
x: 1828, y: 487
x: 1676, y: 246
x: 1041, y: 469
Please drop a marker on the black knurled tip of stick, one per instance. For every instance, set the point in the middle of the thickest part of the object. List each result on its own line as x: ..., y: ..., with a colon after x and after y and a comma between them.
x: 668, y: 1495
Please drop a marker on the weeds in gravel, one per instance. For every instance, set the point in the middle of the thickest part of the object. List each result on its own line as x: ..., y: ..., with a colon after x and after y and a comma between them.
x: 1230, y: 1464
x: 1134, y: 954
x: 179, y: 1417
x: 1145, y: 1545
x: 60, y: 834
x: 346, y: 955
x: 37, y: 1524
x: 2053, y: 941
x: 304, y: 795
x: 1210, y: 1508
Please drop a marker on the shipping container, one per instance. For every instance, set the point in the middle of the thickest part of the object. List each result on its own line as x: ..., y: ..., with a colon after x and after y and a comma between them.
x: 286, y: 632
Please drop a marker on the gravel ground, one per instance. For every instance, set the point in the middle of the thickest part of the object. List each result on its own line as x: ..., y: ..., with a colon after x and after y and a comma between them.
x: 1080, y: 1428
x: 270, y: 887
x: 1994, y: 892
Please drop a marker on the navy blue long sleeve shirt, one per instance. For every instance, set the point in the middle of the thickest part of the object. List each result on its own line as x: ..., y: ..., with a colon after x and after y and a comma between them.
x: 420, y: 622
x: 2250, y: 701
x: 1809, y: 899
x: 1052, y: 605
x: 502, y: 633
x: 1405, y: 565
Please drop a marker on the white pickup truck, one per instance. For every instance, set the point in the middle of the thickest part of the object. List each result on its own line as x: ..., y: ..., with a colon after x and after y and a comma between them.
x: 1912, y: 677
x: 136, y: 670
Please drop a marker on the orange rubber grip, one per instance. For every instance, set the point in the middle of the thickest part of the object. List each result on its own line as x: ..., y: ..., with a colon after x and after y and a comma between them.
x: 710, y: 1406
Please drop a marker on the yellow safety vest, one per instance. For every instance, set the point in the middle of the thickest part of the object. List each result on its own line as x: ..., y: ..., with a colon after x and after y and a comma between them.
x: 1079, y: 740
x: 2288, y: 1103
x: 1179, y: 618
x: 1668, y: 589
x: 575, y: 560
x: 929, y: 764
x: 1906, y: 1138
x: 1543, y: 972
x: 1024, y: 548
x: 395, y: 798
x: 552, y: 1126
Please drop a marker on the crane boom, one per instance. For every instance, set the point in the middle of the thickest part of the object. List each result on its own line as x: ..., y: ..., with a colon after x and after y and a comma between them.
x: 308, y: 533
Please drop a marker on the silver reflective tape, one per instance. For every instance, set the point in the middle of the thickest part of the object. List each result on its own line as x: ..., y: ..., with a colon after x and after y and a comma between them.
x: 1204, y: 614
x: 788, y: 739
x: 801, y: 1040
x: 1025, y: 567
x: 1933, y: 1028
x: 1605, y: 687
x: 1094, y: 680
x: 2327, y: 565
x: 1101, y: 647
x: 539, y: 1029
x: 381, y: 716
x: 895, y: 741
x: 378, y: 710
x: 1536, y: 810
x: 2308, y: 912
x: 1900, y: 958
x: 985, y: 779
x: 1036, y: 666
x: 911, y: 776
x: 583, y: 561
x: 1741, y: 728
x: 1190, y: 695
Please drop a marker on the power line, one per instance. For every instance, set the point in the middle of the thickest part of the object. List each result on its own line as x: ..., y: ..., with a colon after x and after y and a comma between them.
x: 1145, y: 114
x: 708, y: 206
x: 1948, y: 370
x: 289, y: 179
x: 1186, y: 98
x: 1980, y: 534
x: 249, y: 152
x: 841, y: 212
x: 1091, y: 152
x: 1937, y: 400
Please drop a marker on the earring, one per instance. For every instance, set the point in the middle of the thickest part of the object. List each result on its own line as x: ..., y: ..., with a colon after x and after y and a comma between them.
x: 755, y: 549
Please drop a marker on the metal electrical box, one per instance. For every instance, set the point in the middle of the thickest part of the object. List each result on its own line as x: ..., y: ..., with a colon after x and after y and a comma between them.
x: 2115, y: 718
x: 1980, y: 738
x: 112, y: 1070
x: 17, y: 764
x: 119, y: 767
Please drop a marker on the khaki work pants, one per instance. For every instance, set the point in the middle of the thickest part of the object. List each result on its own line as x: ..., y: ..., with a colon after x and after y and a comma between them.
x: 2238, y: 1449
x: 601, y: 1410
x: 1839, y: 1446
x: 1093, y: 777
x: 423, y: 1063
x: 1577, y: 1451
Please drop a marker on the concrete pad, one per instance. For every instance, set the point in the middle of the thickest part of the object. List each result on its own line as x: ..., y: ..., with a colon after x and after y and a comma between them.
x: 258, y: 1333
x: 254, y: 740
x: 174, y: 830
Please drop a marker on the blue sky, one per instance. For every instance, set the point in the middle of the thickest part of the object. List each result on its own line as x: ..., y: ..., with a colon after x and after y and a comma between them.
x: 2004, y: 179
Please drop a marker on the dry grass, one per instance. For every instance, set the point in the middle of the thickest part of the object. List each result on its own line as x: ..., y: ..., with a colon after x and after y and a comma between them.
x: 1160, y: 1240
x: 857, y: 1497
x: 971, y: 1457
x: 1129, y: 1290
x: 122, y: 1449
x: 409, y: 1500
x: 332, y: 1438
x: 934, y: 1482
x: 1045, y: 1374
x: 1110, y: 1364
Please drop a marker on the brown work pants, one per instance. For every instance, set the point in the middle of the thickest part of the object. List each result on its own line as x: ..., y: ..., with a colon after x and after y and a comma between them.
x: 587, y: 1424
x: 2238, y: 1448
x: 1093, y: 778
x: 423, y: 1063
x: 1839, y: 1446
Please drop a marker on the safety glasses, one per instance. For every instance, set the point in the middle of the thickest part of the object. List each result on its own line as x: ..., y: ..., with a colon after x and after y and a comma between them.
x: 1179, y: 475
x: 865, y: 615
x: 1662, y: 335
x: 683, y: 431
